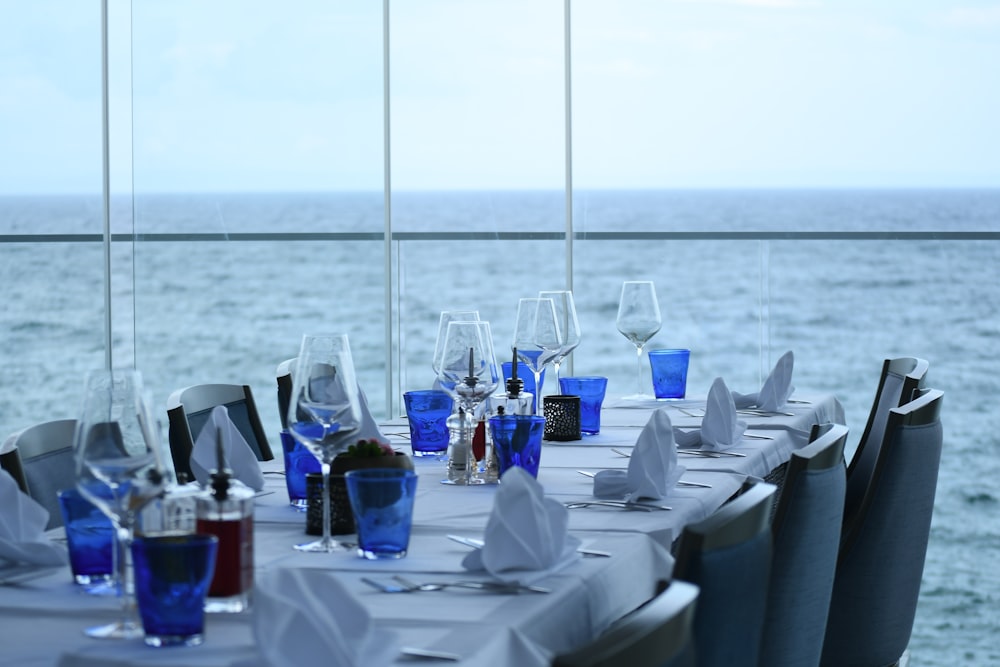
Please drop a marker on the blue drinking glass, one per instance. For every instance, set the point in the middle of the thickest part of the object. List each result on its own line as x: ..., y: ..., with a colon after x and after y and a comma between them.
x: 591, y: 390
x: 382, y: 504
x: 518, y: 441
x: 299, y: 462
x: 172, y: 576
x: 427, y: 412
x: 90, y: 539
x: 669, y: 369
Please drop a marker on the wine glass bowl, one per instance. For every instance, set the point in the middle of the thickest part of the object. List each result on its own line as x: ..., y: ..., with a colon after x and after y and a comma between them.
x: 569, y: 325
x: 120, y: 468
x: 638, y: 320
x: 324, y: 413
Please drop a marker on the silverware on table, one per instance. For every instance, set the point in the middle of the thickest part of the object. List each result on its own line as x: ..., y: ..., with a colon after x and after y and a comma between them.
x: 620, y: 504
x: 478, y: 544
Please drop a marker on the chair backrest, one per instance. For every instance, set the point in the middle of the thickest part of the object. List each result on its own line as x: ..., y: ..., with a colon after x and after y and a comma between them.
x: 658, y: 634
x: 728, y: 556
x: 806, y: 533
x: 284, y: 377
x: 189, y: 409
x: 900, y: 378
x: 882, y: 552
x: 45, y: 454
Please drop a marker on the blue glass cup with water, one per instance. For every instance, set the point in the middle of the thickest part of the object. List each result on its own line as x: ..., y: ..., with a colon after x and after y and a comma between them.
x: 669, y: 369
x: 427, y: 412
x: 591, y: 390
x: 172, y: 577
x: 382, y: 505
x: 518, y: 441
x: 299, y: 462
x: 525, y: 375
x: 90, y: 539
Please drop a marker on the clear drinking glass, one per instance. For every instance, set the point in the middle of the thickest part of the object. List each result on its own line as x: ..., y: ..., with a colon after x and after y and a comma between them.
x: 569, y: 325
x: 537, y: 338
x: 120, y: 468
x: 324, y: 413
x: 638, y: 320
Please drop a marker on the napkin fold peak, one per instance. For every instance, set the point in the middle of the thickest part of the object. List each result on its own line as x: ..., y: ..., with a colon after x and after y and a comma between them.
x: 22, y: 528
x: 652, y: 469
x: 720, y: 427
x: 775, y: 391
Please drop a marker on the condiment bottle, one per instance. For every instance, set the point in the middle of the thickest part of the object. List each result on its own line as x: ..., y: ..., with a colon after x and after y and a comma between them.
x: 226, y: 511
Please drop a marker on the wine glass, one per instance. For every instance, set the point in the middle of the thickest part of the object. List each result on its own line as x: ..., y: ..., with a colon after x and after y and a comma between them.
x: 638, y: 320
x: 120, y: 468
x: 569, y: 325
x: 469, y: 374
x: 537, y: 338
x: 324, y: 413
x: 448, y: 316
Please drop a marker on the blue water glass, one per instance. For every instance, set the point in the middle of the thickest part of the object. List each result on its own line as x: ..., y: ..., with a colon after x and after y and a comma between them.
x: 524, y: 373
x: 518, y: 441
x: 669, y: 369
x: 427, y: 412
x: 382, y: 504
x: 90, y: 539
x: 299, y: 462
x: 172, y: 576
x: 591, y: 390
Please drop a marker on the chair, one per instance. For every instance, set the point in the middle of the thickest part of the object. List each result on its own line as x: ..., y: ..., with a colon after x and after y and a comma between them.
x: 188, y: 410
x: 806, y: 538
x: 44, y: 454
x: 899, y: 379
x: 284, y: 377
x: 658, y: 634
x: 882, y: 552
x: 728, y: 556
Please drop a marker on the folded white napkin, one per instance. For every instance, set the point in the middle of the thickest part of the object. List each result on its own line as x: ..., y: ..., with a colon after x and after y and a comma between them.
x: 776, y: 389
x: 235, y: 450
x: 652, y: 469
x: 526, y: 535
x: 720, y: 429
x: 304, y: 615
x: 22, y: 528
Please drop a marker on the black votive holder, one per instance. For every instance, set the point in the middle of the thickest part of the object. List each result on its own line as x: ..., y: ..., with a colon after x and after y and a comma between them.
x: 341, y: 518
x: 562, y: 417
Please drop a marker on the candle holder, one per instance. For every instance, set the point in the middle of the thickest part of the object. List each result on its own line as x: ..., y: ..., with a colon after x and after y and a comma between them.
x: 562, y: 417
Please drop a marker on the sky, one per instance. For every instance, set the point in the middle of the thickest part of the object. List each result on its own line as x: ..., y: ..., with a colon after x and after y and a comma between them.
x: 234, y: 95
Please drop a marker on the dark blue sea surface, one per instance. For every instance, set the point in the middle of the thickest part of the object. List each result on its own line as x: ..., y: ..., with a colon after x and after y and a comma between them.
x: 190, y: 312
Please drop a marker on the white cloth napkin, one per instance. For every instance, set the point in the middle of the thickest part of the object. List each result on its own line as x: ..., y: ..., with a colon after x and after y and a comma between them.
x: 720, y: 428
x: 237, y: 453
x: 776, y: 389
x: 526, y: 535
x: 652, y: 468
x: 304, y: 616
x: 22, y: 528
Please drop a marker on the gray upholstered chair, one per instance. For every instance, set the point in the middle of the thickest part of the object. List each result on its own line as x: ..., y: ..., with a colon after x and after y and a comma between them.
x: 899, y: 379
x: 44, y: 453
x: 882, y: 552
x: 806, y: 532
x: 728, y: 556
x: 658, y: 634
x: 188, y: 410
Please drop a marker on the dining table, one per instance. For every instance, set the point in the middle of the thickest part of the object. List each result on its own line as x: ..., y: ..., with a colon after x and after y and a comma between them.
x: 42, y: 617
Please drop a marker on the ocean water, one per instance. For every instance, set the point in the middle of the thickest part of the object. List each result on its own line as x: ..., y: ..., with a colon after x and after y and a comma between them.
x: 229, y: 311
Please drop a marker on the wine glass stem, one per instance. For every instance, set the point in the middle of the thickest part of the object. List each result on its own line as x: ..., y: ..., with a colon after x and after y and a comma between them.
x: 638, y: 370
x: 555, y: 367
x: 325, y: 469
x: 538, y: 391
x: 126, y: 581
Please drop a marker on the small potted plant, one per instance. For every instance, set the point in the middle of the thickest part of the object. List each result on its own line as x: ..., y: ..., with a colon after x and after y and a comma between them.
x: 370, y: 453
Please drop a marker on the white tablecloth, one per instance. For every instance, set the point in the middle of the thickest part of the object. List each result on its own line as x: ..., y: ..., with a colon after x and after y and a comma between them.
x: 41, y: 620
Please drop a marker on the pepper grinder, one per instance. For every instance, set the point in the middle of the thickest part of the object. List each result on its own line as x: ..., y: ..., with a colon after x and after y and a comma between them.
x: 226, y: 511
